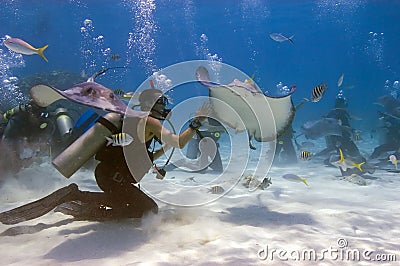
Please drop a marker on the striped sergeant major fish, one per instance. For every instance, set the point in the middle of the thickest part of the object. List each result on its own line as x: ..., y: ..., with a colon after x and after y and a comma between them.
x: 216, y: 190
x: 120, y: 139
x: 318, y: 92
x: 305, y: 155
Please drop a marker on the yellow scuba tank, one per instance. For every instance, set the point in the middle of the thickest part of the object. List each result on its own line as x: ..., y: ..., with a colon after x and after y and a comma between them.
x: 87, y: 145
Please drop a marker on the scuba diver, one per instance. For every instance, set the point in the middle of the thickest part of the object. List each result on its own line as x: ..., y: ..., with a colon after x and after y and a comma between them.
x: 391, y: 142
x: 285, y: 152
x: 345, y: 141
x: 24, y: 121
x: 120, y: 198
x: 31, y: 124
x: 210, y: 129
x: 344, y: 144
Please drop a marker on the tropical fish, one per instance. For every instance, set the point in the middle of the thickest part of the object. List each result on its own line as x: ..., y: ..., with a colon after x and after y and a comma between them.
x: 318, y: 92
x: 278, y: 37
x: 250, y: 80
x: 22, y: 47
x: 393, y: 160
x: 305, y: 155
x: 115, y: 57
x: 323, y: 127
x: 340, y: 80
x: 89, y: 93
x: 120, y: 139
x: 119, y: 92
x: 265, y: 183
x: 345, y: 164
x: 216, y: 190
x: 256, y: 110
x: 295, y: 178
x: 357, y: 137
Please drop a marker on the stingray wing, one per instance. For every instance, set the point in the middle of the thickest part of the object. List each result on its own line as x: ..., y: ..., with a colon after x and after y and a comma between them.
x: 44, y: 95
x: 264, y: 117
x: 91, y: 94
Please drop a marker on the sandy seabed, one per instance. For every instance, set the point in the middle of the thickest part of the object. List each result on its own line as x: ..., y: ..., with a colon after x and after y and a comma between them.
x: 330, y: 222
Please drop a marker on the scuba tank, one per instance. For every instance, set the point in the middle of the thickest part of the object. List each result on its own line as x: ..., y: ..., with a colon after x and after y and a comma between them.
x: 63, y: 121
x: 15, y: 110
x: 87, y: 145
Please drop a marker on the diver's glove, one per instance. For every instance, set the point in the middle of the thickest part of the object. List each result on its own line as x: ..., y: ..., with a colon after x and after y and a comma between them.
x: 195, y: 124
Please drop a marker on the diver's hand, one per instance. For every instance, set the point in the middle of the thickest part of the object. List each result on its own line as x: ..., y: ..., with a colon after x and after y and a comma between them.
x: 203, y: 112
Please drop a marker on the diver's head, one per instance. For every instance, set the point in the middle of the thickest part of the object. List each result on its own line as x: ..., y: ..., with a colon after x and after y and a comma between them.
x: 340, y: 102
x: 154, y: 101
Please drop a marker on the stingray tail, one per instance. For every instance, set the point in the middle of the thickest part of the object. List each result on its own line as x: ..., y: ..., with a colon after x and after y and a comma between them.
x: 40, y: 52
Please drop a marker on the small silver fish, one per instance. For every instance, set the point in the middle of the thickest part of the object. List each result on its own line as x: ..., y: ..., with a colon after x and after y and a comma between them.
x: 340, y: 80
x: 120, y: 139
x: 216, y: 190
x: 22, y: 47
x: 318, y: 92
x: 278, y: 37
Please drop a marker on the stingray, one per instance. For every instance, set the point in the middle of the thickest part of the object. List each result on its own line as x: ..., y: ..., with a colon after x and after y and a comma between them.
x: 323, y: 127
x: 264, y: 117
x: 89, y: 93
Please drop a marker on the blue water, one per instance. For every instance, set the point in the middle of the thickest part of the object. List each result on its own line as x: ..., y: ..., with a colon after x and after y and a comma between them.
x: 358, y: 38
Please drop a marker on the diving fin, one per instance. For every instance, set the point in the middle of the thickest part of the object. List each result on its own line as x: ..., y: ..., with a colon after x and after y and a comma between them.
x: 40, y: 207
x: 85, y: 211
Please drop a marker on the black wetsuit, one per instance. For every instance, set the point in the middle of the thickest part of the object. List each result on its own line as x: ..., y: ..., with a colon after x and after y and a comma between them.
x: 114, y: 177
x: 27, y: 124
x: 193, y: 148
x: 392, y: 140
x: 344, y: 142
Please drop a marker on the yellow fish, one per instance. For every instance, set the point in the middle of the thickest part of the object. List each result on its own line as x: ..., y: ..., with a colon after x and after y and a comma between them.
x: 345, y: 164
x: 119, y: 139
x: 250, y: 80
x: 295, y: 178
x: 22, y: 47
